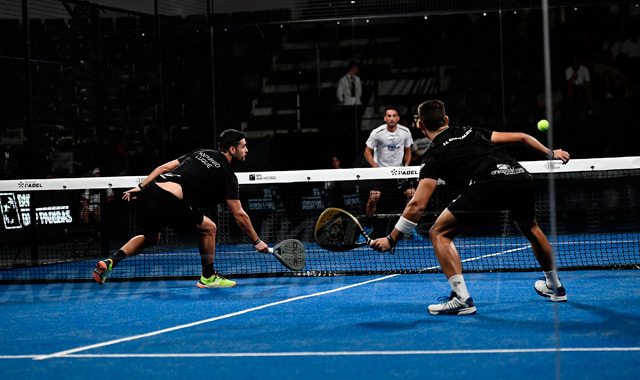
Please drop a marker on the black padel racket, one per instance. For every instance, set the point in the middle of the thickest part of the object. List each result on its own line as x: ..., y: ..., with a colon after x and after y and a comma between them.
x: 337, y: 230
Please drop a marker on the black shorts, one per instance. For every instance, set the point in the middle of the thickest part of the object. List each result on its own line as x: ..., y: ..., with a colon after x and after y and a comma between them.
x: 159, y: 207
x: 483, y: 200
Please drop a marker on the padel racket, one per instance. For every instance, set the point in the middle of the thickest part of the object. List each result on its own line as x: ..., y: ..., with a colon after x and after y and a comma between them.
x: 337, y: 230
x: 290, y: 253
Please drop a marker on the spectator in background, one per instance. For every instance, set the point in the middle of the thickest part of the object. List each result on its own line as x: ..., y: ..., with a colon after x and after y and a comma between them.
x: 349, y: 92
x: 335, y: 162
x: 578, y: 81
x: 349, y: 89
x: 631, y: 46
x: 91, y: 199
x: 612, y: 44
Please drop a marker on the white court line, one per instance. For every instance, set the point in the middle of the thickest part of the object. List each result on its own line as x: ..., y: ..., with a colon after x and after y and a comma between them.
x: 496, y: 254
x: 482, y: 257
x: 158, y: 332
x: 339, y: 353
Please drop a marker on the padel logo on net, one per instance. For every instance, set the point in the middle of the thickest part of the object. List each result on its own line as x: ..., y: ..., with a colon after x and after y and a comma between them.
x: 404, y: 172
x: 260, y: 177
x: 29, y: 184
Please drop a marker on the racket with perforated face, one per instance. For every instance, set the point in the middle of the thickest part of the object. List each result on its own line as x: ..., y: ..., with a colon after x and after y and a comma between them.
x: 290, y: 253
x: 337, y: 230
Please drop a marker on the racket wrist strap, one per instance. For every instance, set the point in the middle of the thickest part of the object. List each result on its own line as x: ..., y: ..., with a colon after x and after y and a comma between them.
x: 392, y: 242
x: 257, y: 241
x: 405, y: 226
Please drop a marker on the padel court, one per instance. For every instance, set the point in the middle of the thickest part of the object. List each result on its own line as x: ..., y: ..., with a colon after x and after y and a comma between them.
x: 357, y: 314
x: 366, y: 327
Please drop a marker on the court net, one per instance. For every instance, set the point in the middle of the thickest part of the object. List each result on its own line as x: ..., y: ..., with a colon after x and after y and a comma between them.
x: 78, y: 221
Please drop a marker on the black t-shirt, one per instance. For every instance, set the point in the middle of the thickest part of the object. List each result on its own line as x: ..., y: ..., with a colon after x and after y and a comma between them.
x: 206, y: 178
x: 464, y: 155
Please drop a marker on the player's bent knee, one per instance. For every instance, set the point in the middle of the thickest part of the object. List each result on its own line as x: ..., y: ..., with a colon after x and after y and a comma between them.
x: 208, y: 227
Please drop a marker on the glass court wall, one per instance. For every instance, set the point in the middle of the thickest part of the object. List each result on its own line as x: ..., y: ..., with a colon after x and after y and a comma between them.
x: 87, y: 86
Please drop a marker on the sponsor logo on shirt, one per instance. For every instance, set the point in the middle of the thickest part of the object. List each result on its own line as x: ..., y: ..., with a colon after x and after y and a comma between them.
x: 464, y: 136
x: 207, y: 160
x: 506, y: 169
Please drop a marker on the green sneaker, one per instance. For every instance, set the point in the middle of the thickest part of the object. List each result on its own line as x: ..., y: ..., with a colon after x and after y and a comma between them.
x: 102, y: 271
x: 215, y: 281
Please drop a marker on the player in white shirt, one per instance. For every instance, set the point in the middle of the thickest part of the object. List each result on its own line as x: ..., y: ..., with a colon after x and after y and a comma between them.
x: 388, y: 145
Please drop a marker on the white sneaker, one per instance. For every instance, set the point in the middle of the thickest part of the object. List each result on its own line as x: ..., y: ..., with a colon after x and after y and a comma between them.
x: 557, y: 295
x: 453, y: 305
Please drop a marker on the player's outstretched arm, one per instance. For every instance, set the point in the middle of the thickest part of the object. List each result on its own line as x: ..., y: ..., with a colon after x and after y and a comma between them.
x: 530, y: 142
x: 244, y: 222
x: 164, y: 168
x: 410, y: 216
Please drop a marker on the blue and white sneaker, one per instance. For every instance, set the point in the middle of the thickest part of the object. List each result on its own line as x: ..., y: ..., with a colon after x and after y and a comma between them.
x: 453, y: 305
x: 556, y: 295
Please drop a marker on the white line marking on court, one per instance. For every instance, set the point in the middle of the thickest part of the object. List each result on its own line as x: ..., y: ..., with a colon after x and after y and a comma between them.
x: 483, y: 256
x: 496, y: 254
x: 336, y: 353
x: 158, y: 332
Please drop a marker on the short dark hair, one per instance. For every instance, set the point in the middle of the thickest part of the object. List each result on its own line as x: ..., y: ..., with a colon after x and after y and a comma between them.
x: 432, y: 114
x: 391, y: 108
x: 352, y: 64
x: 229, y: 138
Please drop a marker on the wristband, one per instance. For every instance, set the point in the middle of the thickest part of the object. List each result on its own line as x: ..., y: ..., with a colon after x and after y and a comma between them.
x: 405, y: 226
x: 550, y: 154
x: 392, y: 242
x: 140, y: 186
x: 257, y: 241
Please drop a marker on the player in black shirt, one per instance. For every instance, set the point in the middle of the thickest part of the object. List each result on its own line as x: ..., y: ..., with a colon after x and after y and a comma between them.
x: 173, y: 193
x: 469, y: 157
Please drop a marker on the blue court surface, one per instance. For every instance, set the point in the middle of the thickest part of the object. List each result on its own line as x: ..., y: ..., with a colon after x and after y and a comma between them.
x: 349, y: 327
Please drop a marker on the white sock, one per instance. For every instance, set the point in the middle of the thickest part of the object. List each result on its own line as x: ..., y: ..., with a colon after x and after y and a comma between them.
x: 553, y: 282
x: 458, y: 286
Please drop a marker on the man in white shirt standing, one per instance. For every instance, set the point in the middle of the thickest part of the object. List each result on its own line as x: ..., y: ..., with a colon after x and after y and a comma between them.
x: 388, y: 145
x: 349, y: 89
